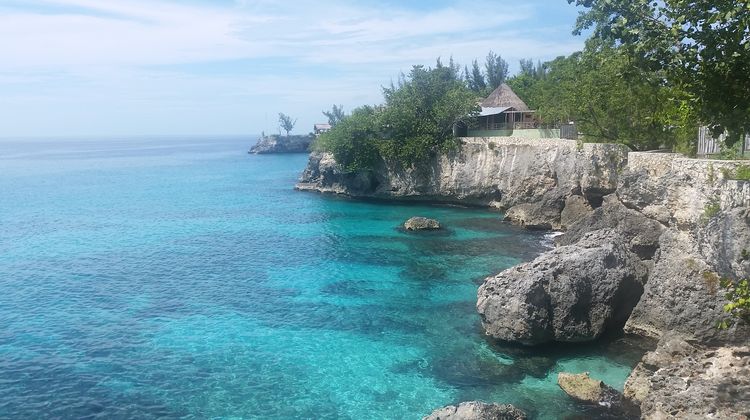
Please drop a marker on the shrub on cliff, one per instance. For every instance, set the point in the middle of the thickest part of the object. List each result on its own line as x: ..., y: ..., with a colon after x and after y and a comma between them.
x: 353, y: 141
x: 415, y: 122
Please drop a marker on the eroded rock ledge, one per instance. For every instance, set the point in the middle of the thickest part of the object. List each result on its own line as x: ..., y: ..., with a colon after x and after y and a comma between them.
x: 681, y: 380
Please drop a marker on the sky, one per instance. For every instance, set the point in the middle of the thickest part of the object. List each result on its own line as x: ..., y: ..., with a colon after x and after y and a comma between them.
x: 163, y: 67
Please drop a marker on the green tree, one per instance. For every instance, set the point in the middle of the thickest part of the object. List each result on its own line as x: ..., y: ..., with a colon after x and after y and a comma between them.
x: 496, y: 70
x: 738, y: 306
x: 286, y: 123
x: 701, y: 46
x: 611, y: 99
x: 353, y: 141
x: 420, y: 112
x: 475, y: 79
x: 415, y: 122
x: 335, y: 115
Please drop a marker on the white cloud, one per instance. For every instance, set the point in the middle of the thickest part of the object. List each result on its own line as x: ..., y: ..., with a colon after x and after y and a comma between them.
x: 136, y: 58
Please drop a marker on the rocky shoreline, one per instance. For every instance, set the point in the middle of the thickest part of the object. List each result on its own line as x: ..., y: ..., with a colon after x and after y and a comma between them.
x: 282, y: 144
x: 647, y: 237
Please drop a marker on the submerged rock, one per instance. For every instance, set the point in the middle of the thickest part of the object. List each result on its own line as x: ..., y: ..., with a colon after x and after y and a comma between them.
x: 680, y: 380
x: 583, y: 388
x: 609, y: 401
x: 476, y: 410
x: 421, y: 223
x: 573, y: 293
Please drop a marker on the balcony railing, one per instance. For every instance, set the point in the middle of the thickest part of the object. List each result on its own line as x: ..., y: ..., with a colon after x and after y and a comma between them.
x: 522, y: 126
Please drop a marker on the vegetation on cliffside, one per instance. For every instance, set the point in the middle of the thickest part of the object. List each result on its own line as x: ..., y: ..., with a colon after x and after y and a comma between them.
x: 650, y: 74
x: 415, y: 121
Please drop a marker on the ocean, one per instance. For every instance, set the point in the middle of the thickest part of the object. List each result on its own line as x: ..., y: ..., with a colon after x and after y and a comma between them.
x: 181, y: 277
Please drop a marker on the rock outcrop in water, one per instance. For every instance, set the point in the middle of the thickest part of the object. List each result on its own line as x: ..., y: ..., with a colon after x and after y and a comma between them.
x: 674, y: 224
x: 475, y: 410
x: 572, y: 293
x: 581, y: 387
x: 421, y: 223
x: 283, y: 144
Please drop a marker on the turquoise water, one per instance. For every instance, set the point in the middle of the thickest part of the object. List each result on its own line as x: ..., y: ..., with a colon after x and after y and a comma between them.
x: 181, y: 277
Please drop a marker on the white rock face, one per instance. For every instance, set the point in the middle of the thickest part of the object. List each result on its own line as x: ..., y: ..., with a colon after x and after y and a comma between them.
x: 498, y: 172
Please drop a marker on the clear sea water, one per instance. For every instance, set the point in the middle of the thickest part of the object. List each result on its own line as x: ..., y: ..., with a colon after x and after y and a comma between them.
x: 182, y: 277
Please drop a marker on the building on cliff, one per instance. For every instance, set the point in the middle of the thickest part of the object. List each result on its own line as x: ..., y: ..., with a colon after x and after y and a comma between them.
x: 504, y: 114
x: 319, y: 129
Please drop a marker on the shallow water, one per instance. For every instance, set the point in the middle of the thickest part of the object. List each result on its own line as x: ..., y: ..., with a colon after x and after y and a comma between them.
x: 170, y: 277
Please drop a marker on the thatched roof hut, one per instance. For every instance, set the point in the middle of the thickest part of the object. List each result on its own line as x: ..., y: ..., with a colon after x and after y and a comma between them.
x: 504, y: 97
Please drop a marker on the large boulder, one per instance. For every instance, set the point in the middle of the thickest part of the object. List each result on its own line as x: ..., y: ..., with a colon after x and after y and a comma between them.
x: 573, y: 293
x: 641, y: 233
x: 476, y: 410
x: 421, y: 223
x: 680, y: 380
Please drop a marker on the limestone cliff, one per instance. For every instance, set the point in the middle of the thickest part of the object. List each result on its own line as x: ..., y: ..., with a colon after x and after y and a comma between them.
x: 282, y: 144
x: 681, y: 222
x: 647, y: 237
x: 533, y: 179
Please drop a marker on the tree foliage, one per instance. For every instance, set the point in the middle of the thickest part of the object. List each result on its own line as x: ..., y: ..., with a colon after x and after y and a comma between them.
x: 700, y: 46
x: 286, y: 123
x: 738, y: 306
x: 335, y: 115
x: 415, y: 122
x: 496, y: 70
x: 610, y: 99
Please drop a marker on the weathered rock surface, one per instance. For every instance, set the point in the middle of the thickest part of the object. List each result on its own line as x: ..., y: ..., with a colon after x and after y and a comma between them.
x: 475, y: 410
x: 683, y: 295
x: 680, y: 380
x: 421, y: 223
x: 573, y: 293
x: 581, y: 387
x: 282, y: 144
x: 513, y: 172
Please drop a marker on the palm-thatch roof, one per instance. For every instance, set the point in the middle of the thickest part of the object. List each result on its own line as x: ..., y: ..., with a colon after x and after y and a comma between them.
x: 504, y: 97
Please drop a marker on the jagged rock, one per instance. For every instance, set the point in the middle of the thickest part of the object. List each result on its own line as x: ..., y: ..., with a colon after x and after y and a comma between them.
x: 421, y: 223
x: 282, y: 144
x: 683, y: 295
x: 573, y: 293
x: 576, y: 209
x: 475, y: 410
x: 641, y: 232
x: 679, y: 380
x: 541, y: 215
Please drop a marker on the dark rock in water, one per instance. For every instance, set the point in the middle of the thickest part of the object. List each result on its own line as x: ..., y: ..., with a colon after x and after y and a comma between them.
x: 681, y: 380
x: 583, y: 388
x: 282, y: 144
x: 421, y: 223
x: 476, y: 410
x: 574, y: 293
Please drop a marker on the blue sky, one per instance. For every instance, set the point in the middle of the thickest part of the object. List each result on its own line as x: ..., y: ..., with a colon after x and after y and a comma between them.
x: 135, y: 67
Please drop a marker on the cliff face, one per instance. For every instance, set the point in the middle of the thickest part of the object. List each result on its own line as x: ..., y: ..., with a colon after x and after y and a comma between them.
x: 532, y: 179
x: 282, y: 144
x: 667, y: 226
x: 647, y: 238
